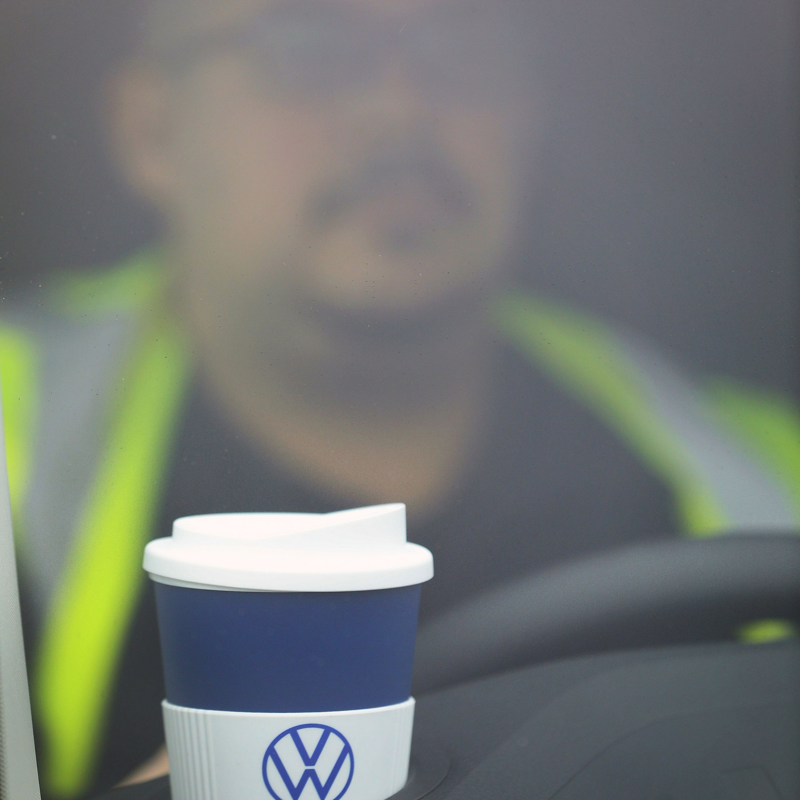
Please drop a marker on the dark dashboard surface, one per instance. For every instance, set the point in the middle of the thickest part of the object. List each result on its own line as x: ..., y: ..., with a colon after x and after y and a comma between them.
x: 703, y: 722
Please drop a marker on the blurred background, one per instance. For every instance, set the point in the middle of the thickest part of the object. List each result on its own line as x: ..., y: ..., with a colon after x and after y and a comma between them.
x: 667, y: 197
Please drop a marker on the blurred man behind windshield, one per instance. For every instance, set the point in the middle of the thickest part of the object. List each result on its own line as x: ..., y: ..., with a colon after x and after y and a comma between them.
x: 342, y: 184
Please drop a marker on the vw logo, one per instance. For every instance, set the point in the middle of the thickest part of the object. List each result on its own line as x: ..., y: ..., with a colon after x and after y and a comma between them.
x: 315, y: 754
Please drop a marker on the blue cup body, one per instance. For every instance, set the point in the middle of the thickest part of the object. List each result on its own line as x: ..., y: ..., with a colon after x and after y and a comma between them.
x: 287, y: 651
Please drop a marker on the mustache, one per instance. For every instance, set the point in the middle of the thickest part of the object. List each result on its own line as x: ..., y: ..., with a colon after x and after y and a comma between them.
x: 380, y: 173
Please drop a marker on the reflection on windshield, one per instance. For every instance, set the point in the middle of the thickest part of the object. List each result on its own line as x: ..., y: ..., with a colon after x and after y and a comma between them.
x: 528, y: 268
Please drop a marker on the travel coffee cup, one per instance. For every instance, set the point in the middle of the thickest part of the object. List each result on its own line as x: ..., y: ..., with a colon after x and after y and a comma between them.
x: 288, y: 645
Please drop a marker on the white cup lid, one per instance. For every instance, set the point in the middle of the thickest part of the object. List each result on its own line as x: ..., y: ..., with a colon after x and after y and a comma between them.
x: 354, y: 550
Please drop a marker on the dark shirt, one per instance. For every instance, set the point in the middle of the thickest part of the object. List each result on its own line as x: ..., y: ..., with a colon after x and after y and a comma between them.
x: 550, y: 483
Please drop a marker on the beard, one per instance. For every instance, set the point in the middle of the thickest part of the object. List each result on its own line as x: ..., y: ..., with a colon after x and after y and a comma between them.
x: 275, y: 338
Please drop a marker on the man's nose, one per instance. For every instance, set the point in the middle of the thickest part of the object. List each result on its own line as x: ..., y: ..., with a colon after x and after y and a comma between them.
x: 397, y: 101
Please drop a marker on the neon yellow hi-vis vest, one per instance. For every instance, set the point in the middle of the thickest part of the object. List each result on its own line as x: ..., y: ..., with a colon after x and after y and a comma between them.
x: 92, y: 395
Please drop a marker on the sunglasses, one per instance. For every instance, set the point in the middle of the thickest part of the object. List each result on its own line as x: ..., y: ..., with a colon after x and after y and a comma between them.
x: 319, y: 51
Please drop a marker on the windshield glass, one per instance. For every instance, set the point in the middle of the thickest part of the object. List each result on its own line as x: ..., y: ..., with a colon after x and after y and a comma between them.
x: 530, y: 268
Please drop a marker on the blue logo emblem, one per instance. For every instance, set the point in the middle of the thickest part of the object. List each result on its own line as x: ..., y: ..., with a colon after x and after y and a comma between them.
x: 315, y: 754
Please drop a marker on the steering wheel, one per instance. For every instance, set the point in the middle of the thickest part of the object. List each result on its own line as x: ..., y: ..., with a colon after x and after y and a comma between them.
x: 671, y: 592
